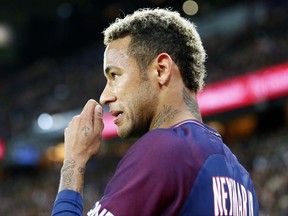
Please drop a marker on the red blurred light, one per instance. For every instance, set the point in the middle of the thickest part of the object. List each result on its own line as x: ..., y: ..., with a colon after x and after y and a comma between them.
x: 2, y: 149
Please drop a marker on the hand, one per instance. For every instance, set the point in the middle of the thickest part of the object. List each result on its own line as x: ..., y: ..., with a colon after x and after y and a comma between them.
x: 82, y: 137
x: 82, y: 140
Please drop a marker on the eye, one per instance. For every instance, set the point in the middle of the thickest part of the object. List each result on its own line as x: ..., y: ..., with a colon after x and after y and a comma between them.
x: 114, y: 75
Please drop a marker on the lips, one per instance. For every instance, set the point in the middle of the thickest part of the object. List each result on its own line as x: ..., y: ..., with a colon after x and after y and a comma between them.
x: 117, y: 115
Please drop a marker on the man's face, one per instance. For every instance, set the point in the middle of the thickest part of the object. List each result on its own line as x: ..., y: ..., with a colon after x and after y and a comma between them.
x: 131, y: 99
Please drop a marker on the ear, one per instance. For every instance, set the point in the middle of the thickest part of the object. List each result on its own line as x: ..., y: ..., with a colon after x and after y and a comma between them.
x: 164, y: 65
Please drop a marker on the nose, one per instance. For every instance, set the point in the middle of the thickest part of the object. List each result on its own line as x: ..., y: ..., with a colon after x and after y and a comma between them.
x: 107, y: 96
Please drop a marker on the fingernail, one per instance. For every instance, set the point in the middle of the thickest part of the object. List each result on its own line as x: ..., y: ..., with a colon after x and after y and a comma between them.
x: 99, y: 108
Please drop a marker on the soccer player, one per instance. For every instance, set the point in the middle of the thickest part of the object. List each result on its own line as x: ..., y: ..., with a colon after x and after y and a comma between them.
x: 154, y: 66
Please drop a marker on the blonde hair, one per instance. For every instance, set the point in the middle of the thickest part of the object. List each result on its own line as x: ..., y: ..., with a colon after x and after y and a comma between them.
x: 154, y: 31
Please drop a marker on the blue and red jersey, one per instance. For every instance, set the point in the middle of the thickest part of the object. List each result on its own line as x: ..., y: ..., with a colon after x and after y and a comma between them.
x: 183, y: 170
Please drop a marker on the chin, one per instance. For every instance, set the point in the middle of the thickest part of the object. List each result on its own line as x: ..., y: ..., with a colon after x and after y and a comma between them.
x: 128, y: 133
x: 123, y: 133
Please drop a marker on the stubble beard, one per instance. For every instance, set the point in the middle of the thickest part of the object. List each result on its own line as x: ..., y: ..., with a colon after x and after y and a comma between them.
x: 140, y: 112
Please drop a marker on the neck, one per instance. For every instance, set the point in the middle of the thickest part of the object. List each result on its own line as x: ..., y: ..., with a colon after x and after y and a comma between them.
x: 192, y: 104
x: 177, y: 111
x: 165, y: 117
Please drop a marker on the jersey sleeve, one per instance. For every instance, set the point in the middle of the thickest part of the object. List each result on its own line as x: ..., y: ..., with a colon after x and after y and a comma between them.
x: 145, y: 182
x: 68, y: 203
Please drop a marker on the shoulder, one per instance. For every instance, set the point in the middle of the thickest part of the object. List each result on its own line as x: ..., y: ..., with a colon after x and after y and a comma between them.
x: 159, y: 134
x: 161, y: 140
x: 162, y: 147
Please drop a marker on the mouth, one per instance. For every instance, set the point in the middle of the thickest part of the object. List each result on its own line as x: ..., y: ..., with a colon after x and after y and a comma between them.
x: 117, y: 115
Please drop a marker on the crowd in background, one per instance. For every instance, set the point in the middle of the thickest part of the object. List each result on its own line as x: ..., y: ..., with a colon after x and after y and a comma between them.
x: 53, y: 86
x: 260, y: 45
x: 30, y: 191
x: 266, y: 157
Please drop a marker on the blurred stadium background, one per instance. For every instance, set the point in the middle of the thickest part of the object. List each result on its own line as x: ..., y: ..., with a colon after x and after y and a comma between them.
x: 51, y: 64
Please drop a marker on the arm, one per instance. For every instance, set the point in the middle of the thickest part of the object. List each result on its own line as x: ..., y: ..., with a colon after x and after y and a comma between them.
x: 82, y: 140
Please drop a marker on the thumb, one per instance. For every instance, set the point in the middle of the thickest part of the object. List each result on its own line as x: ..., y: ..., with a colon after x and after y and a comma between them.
x: 98, y: 117
x: 98, y: 111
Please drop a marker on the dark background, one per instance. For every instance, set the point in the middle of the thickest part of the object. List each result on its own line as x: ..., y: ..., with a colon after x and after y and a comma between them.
x: 52, y: 63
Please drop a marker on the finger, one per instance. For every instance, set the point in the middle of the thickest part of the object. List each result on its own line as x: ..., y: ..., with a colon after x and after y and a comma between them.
x: 98, y: 118
x: 88, y: 110
x: 98, y: 111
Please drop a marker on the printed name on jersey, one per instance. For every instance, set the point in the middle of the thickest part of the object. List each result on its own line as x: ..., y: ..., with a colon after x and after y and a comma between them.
x: 231, y: 197
x: 95, y: 211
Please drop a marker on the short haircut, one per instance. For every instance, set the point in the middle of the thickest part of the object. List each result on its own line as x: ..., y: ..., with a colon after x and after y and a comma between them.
x: 155, y: 31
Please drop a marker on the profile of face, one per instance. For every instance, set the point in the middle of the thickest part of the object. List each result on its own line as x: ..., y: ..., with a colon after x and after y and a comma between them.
x: 131, y: 99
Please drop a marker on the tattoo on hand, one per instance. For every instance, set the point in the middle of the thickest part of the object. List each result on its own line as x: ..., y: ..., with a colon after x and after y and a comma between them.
x: 85, y: 130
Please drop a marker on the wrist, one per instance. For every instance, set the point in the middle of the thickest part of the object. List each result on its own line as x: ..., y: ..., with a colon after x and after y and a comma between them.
x: 75, y: 160
x: 72, y: 176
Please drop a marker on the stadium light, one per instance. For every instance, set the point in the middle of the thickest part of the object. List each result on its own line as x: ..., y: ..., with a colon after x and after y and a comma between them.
x: 190, y: 7
x: 6, y: 35
x: 45, y: 121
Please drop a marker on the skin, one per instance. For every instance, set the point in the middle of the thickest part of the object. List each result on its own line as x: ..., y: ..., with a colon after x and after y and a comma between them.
x: 125, y: 91
x: 159, y: 100
x: 82, y: 140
